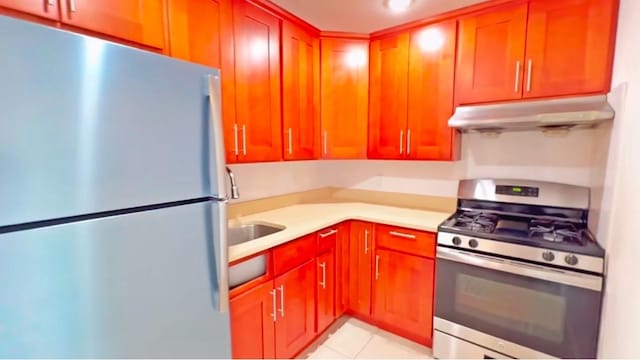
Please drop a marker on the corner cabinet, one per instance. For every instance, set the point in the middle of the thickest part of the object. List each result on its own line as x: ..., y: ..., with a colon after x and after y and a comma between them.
x: 344, y: 99
x: 300, y: 93
x: 361, y: 254
x: 536, y: 49
x: 257, y: 132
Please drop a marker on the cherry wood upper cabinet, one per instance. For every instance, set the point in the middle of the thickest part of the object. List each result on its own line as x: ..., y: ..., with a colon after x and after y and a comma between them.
x: 361, y: 261
x: 43, y: 8
x: 389, y: 59
x: 296, y: 311
x: 252, y: 324
x: 570, y: 46
x: 140, y: 21
x: 257, y: 75
x: 344, y: 99
x: 430, y: 96
x: 491, y: 48
x: 300, y: 93
x: 195, y: 28
x: 403, y: 294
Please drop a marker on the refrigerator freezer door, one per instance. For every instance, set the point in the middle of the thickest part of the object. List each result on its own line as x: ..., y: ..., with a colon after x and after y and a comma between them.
x: 130, y: 286
x: 89, y: 126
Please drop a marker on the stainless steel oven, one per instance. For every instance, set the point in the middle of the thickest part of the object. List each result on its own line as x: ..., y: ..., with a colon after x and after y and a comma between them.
x: 507, y: 287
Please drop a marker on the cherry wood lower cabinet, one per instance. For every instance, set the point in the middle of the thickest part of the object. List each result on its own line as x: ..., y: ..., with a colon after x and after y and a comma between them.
x: 361, y: 261
x: 326, y: 286
x: 252, y: 323
x: 342, y: 269
x: 403, y: 294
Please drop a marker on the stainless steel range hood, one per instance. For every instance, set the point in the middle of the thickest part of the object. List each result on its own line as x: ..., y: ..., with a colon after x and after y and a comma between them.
x: 566, y: 113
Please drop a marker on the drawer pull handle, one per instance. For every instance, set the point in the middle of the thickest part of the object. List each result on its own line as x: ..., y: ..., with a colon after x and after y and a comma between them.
x: 328, y: 233
x: 402, y: 235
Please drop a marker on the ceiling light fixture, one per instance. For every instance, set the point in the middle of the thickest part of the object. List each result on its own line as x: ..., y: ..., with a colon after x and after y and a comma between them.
x: 398, y: 5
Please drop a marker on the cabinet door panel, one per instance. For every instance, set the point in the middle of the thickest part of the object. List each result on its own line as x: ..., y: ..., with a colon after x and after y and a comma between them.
x: 301, y: 92
x: 252, y: 325
x: 403, y: 294
x: 257, y: 59
x: 342, y: 269
x: 140, y: 21
x: 326, y: 289
x: 361, y: 262
x: 44, y: 8
x: 388, y: 97
x: 431, y: 76
x: 570, y: 47
x: 490, y: 55
x: 295, y: 326
x: 344, y: 87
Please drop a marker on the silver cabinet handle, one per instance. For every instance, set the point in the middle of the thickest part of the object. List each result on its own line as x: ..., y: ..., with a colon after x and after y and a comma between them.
x: 401, y: 140
x: 408, y: 141
x: 366, y: 241
x: 273, y: 296
x: 529, y: 70
x: 244, y: 140
x: 402, y: 235
x: 51, y: 2
x: 72, y: 6
x: 290, y: 142
x: 324, y: 143
x: 235, y: 138
x: 328, y: 233
x: 377, y: 267
x: 281, y: 288
x: 323, y: 283
x: 517, y: 87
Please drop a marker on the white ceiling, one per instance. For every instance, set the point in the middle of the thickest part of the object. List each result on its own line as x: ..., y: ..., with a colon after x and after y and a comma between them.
x: 365, y: 16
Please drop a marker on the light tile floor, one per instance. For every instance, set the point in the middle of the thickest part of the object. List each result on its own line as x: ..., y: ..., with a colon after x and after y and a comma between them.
x: 350, y: 338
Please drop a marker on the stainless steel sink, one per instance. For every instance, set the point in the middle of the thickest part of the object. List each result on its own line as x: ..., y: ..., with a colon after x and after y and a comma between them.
x: 247, y: 232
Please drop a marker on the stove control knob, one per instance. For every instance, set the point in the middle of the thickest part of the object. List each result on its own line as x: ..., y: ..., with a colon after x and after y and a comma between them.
x: 456, y: 241
x: 473, y: 243
x: 571, y: 260
x: 548, y: 256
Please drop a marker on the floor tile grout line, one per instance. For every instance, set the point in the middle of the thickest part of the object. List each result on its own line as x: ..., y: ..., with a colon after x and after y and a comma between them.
x: 364, y: 347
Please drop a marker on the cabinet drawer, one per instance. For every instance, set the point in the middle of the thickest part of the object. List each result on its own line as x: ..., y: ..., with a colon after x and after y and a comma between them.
x: 294, y: 253
x: 406, y: 240
x: 327, y: 238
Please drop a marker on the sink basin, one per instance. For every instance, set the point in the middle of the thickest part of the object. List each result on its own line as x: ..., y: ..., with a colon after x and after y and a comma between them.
x: 247, y: 232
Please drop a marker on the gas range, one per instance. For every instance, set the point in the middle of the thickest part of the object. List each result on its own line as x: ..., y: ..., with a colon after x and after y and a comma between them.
x: 549, y: 235
x: 519, y: 274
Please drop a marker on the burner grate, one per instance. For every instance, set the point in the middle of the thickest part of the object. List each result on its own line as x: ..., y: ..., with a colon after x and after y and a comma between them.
x: 477, y: 221
x: 556, y: 231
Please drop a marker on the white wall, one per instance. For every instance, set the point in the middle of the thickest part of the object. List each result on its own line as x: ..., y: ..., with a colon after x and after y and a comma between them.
x: 621, y: 198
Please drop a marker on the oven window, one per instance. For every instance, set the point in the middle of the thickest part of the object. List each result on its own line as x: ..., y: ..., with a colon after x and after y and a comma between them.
x: 553, y: 318
x: 534, y: 314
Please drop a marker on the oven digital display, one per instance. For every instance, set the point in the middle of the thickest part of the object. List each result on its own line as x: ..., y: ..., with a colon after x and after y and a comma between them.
x: 527, y: 191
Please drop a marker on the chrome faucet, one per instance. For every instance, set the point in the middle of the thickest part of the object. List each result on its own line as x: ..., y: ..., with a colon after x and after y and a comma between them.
x: 235, y: 194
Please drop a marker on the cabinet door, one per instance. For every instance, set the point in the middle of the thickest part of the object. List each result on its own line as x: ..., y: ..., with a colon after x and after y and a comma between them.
x: 490, y: 55
x: 344, y: 87
x: 295, y: 326
x: 252, y: 323
x: 403, y: 294
x: 342, y: 269
x: 570, y: 46
x: 44, y: 8
x: 140, y: 21
x: 361, y: 257
x: 431, y: 71
x: 389, y: 62
x: 257, y: 59
x: 301, y: 93
x: 326, y: 289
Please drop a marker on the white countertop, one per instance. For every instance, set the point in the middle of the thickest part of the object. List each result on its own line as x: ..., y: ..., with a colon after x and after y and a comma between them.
x: 303, y: 219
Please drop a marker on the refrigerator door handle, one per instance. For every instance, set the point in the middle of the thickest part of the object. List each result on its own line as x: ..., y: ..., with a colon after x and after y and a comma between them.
x: 217, y: 167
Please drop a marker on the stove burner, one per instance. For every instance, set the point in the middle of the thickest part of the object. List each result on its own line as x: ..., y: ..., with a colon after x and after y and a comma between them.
x: 477, y: 221
x: 556, y: 231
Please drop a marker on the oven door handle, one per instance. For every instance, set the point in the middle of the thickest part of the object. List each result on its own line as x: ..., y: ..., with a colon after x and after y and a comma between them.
x: 585, y: 281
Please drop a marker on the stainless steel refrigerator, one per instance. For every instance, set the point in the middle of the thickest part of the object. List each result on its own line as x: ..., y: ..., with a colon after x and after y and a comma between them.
x: 112, y: 211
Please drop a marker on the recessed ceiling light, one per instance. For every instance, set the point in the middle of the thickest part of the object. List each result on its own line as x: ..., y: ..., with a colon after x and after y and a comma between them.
x: 398, y: 5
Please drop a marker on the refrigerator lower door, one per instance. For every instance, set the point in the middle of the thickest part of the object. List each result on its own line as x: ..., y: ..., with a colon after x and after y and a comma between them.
x: 130, y: 286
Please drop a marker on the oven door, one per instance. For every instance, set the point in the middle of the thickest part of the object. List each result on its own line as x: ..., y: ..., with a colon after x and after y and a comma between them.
x: 532, y: 310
